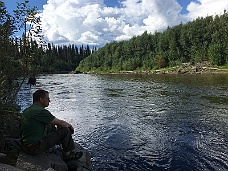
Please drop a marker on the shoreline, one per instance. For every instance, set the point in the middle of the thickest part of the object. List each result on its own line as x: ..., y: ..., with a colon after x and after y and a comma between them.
x: 164, y: 71
x: 184, y: 68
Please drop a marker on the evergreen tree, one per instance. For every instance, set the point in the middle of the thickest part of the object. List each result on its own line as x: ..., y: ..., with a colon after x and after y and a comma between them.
x: 204, y: 39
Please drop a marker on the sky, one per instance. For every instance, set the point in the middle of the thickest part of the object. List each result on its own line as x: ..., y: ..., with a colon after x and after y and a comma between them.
x: 97, y: 22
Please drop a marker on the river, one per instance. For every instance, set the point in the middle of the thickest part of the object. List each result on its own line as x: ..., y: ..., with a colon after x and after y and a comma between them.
x: 143, y: 122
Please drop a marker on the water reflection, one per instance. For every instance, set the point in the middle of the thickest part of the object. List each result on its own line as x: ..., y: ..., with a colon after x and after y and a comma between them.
x: 144, y: 122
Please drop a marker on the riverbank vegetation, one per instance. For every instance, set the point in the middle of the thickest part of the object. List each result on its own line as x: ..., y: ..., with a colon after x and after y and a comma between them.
x: 204, y: 39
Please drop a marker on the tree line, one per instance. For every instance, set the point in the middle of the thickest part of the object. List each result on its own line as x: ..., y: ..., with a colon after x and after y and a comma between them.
x: 204, y: 39
x: 63, y: 58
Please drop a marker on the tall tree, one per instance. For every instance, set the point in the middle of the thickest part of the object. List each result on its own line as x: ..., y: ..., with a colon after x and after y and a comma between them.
x: 28, y: 21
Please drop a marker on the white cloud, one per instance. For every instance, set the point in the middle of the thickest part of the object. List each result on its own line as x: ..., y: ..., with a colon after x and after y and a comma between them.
x: 88, y: 38
x: 92, y: 22
x: 203, y: 8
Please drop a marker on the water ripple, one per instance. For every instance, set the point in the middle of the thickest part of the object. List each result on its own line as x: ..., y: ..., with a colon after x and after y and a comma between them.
x: 143, y: 122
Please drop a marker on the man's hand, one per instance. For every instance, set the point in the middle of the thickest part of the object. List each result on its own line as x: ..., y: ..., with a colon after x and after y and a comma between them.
x: 71, y: 129
x: 62, y: 123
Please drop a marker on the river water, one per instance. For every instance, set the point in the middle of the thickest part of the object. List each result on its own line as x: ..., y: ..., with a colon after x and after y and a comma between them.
x: 143, y: 122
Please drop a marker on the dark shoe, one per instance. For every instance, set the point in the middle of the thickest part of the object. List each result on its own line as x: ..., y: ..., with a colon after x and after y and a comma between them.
x: 73, y: 156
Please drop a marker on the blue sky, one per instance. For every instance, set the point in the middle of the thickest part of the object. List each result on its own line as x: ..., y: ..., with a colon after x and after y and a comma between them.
x: 11, y: 4
x: 97, y: 22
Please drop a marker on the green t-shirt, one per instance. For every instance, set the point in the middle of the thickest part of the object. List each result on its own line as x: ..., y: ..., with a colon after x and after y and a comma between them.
x: 34, y: 121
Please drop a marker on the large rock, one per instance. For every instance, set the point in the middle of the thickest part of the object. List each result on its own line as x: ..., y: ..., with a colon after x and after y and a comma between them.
x: 54, y: 161
x: 40, y: 162
x: 82, y: 164
x: 6, y: 167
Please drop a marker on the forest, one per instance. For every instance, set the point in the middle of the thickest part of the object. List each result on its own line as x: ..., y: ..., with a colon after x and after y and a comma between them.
x: 204, y: 39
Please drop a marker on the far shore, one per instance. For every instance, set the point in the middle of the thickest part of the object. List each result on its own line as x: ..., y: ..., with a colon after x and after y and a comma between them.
x: 183, y: 69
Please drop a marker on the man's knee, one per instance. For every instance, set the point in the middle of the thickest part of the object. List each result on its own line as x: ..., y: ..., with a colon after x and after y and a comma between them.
x: 65, y: 130
x: 50, y: 128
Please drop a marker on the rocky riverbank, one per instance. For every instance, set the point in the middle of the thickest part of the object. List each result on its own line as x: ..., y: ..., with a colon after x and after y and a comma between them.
x: 50, y: 161
x: 184, y: 68
x: 189, y: 68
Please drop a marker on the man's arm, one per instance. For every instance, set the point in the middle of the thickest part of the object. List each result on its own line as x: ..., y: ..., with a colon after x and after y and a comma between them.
x: 62, y: 123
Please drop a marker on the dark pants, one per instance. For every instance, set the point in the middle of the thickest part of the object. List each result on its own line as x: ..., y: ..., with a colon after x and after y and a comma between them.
x: 58, y: 136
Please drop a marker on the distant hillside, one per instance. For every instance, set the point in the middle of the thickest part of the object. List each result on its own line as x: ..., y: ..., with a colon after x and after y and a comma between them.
x: 204, y: 39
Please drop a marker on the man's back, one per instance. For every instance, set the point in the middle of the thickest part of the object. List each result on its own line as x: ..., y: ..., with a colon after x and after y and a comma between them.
x: 34, y: 122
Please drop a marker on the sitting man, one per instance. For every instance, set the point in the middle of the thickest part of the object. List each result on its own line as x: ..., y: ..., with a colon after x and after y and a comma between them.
x: 34, y: 129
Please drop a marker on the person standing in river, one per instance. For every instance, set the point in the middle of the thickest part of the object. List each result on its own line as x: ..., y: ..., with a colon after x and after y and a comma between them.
x: 35, y: 136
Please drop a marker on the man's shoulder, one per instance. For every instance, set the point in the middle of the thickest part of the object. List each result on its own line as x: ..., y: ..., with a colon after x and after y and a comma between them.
x: 35, y: 109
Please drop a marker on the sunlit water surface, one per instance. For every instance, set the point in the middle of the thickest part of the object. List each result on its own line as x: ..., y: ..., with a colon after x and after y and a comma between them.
x: 143, y: 122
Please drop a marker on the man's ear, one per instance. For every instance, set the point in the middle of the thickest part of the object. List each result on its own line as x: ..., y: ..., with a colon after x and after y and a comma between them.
x: 41, y: 99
